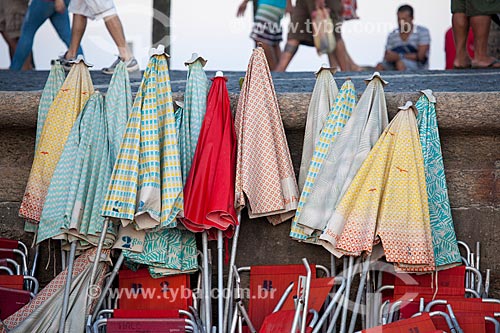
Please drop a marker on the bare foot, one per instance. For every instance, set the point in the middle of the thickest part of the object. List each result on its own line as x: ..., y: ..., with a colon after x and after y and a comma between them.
x: 489, y: 62
x: 462, y: 61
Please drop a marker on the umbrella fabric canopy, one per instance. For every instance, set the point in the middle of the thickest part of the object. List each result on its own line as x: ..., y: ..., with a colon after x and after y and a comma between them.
x: 265, y: 179
x: 335, y: 122
x: 195, y: 105
x: 322, y: 101
x: 387, y: 200
x: 43, y: 312
x: 68, y: 103
x: 80, y: 181
x: 146, y: 183
x: 209, y: 190
x: 50, y: 90
x: 166, y: 252
x: 443, y: 233
x: 343, y: 159
x: 178, y: 114
x: 117, y: 106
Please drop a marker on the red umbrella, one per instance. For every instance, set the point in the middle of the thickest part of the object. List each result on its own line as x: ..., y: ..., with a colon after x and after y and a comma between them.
x: 209, y: 189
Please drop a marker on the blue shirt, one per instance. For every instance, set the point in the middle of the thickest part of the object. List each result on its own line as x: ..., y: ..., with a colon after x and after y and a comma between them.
x: 275, y: 3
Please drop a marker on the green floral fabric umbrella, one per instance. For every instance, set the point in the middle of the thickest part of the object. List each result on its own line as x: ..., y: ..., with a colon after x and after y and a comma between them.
x: 443, y: 233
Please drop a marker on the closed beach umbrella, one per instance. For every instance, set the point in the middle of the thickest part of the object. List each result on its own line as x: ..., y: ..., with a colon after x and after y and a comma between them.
x: 77, y: 190
x: 209, y: 190
x: 146, y: 183
x: 322, y: 102
x: 343, y: 159
x: 68, y: 103
x: 265, y: 179
x: 444, y: 239
x: 195, y: 106
x: 335, y: 122
x: 50, y: 90
x: 387, y: 200
x: 42, y: 314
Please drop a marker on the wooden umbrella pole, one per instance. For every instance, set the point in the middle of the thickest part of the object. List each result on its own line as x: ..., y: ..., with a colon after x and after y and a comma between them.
x: 67, y: 287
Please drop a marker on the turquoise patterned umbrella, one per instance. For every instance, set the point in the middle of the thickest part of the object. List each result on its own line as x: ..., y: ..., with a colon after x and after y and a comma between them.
x: 335, y: 121
x: 443, y: 233
x: 54, y: 82
x: 77, y: 189
x: 195, y: 107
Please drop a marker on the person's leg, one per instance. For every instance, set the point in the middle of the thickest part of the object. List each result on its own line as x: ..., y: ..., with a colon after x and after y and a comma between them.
x: 460, y: 26
x: 60, y: 22
x: 400, y: 65
x: 115, y: 28
x: 77, y: 31
x: 36, y: 15
x: 481, y: 29
x: 380, y: 67
x: 292, y: 45
x: 332, y: 59
x: 272, y: 61
x: 341, y: 54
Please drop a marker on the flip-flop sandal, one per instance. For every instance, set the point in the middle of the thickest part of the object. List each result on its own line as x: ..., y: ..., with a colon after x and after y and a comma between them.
x: 462, y: 67
x: 489, y: 66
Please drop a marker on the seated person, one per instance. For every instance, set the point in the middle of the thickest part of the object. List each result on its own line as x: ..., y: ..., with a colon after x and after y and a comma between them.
x: 407, y: 46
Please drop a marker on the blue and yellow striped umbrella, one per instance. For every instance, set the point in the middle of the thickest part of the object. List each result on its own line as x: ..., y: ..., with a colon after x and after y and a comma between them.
x: 335, y: 122
x: 443, y: 233
x: 195, y: 107
x: 146, y: 184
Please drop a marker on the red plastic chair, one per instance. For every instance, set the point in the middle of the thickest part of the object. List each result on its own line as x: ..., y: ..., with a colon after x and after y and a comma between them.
x: 420, y: 324
x: 12, y: 300
x: 270, y: 281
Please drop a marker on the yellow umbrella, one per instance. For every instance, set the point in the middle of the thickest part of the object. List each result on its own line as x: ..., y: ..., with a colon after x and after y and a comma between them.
x: 387, y: 200
x: 68, y: 103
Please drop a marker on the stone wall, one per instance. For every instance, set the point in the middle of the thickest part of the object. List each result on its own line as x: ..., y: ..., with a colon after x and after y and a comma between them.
x: 470, y: 133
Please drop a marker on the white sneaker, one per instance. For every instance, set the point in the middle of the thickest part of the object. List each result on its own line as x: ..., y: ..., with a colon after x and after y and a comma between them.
x: 132, y: 66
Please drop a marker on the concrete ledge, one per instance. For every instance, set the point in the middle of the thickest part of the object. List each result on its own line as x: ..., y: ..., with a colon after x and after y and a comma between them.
x: 473, y: 112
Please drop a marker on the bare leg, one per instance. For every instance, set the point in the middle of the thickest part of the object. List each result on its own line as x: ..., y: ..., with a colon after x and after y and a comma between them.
x: 290, y: 49
x: 272, y: 60
x: 277, y: 53
x: 380, y: 67
x: 460, y: 23
x: 341, y: 54
x: 115, y: 28
x: 77, y: 31
x: 333, y: 60
x: 400, y: 65
x: 481, y: 29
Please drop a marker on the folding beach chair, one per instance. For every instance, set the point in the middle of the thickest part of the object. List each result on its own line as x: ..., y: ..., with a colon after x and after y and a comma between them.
x: 421, y: 324
x: 147, y: 304
x: 147, y: 321
x: 319, y: 290
x: 13, y: 296
x: 267, y: 285
x: 469, y: 314
x: 16, y: 255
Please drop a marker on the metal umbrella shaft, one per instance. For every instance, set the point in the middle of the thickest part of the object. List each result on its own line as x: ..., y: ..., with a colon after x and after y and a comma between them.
x: 67, y: 287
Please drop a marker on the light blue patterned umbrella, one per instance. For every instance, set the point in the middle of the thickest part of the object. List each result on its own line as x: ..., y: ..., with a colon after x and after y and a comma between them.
x: 195, y: 107
x: 79, y: 184
x: 443, y: 233
x: 50, y: 90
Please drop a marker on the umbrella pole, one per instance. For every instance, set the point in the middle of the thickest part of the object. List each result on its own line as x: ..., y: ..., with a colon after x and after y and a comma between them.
x: 220, y: 281
x: 63, y: 257
x: 67, y: 288
x: 347, y: 291
x: 231, y: 272
x: 104, y: 291
x: 99, y: 250
x: 206, y: 283
x: 366, y: 265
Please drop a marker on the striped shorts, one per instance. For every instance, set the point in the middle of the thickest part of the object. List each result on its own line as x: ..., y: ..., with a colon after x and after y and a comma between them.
x: 267, y: 28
